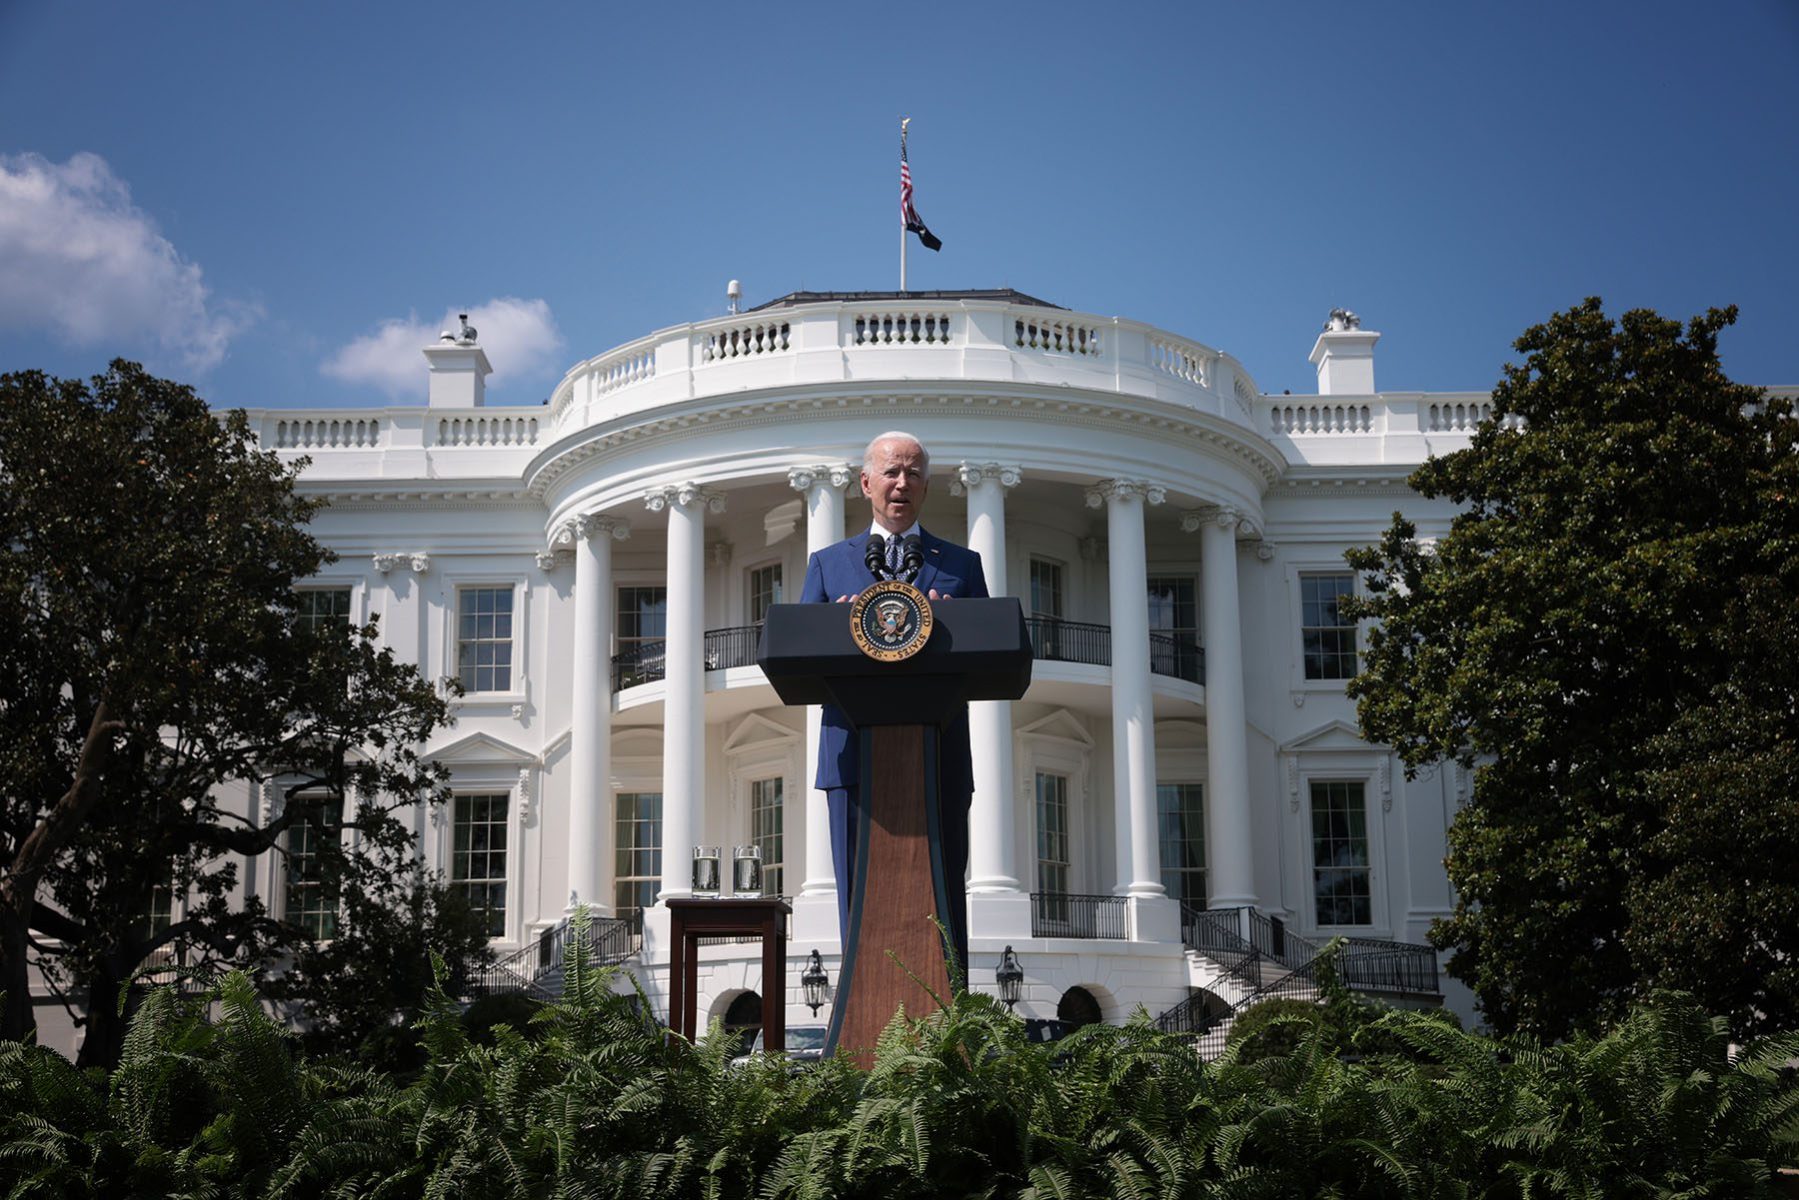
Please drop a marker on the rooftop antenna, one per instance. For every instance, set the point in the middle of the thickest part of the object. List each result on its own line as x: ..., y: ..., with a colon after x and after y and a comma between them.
x: 733, y: 293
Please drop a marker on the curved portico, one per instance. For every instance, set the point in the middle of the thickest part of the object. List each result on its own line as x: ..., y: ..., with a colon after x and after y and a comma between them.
x: 1077, y: 406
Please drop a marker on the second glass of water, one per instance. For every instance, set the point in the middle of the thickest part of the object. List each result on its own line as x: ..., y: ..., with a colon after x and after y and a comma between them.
x: 705, y: 871
x: 746, y: 872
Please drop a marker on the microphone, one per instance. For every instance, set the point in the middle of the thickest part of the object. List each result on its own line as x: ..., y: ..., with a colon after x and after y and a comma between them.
x: 912, y: 557
x: 875, y: 557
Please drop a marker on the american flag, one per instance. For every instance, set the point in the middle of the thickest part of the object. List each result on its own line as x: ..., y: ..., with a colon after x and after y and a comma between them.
x: 908, y: 214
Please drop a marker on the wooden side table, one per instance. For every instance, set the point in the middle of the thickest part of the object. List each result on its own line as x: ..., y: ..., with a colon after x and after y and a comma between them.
x: 690, y: 920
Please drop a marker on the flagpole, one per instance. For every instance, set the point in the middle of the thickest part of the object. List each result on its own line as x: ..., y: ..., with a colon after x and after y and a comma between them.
x: 904, y: 121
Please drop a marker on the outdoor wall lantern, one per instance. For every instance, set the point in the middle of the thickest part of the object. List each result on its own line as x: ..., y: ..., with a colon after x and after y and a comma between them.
x: 1010, y: 978
x: 815, y: 982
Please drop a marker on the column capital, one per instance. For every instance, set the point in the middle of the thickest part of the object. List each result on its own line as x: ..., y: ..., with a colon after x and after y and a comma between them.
x: 1224, y: 515
x: 415, y: 561
x: 967, y: 475
x: 683, y: 495
x: 1124, y: 489
x: 837, y: 475
x: 579, y: 528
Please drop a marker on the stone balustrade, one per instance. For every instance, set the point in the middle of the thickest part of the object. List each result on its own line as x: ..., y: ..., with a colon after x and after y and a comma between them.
x: 956, y: 342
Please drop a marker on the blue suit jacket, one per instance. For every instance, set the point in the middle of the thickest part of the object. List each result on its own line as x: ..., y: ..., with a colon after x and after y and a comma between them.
x: 839, y: 570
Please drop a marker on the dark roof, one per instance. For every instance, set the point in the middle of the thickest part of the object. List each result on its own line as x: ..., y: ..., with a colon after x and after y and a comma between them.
x: 795, y: 299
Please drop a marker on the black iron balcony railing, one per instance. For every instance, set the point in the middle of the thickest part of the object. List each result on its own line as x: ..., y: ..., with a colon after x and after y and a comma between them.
x: 644, y: 662
x: 1056, y: 640
x: 1052, y: 640
x: 647, y: 662
x: 1056, y: 914
x: 1170, y: 654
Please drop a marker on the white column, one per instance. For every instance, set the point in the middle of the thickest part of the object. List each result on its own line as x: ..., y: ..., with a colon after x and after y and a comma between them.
x: 590, y: 709
x: 1231, y: 868
x: 1133, y: 711
x: 992, y: 817
x: 684, y: 688
x: 822, y: 486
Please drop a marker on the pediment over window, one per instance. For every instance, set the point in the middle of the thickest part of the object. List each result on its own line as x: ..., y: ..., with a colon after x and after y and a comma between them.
x: 756, y: 732
x: 484, y: 748
x: 1062, y: 725
x: 1332, y: 736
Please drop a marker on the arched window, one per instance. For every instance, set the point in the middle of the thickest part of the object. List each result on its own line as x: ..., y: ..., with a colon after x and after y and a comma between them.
x: 744, y: 1018
x: 1077, y: 1008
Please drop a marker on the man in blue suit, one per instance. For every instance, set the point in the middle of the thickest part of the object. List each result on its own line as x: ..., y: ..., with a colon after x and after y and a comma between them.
x: 896, y: 473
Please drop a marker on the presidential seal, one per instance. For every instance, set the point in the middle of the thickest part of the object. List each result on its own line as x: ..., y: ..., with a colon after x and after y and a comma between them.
x: 890, y: 621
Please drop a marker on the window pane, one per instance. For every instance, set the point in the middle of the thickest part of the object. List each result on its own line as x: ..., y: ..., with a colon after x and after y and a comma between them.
x: 1341, y: 879
x: 478, y: 862
x: 318, y: 609
x: 765, y: 590
x: 1173, y: 625
x: 311, y: 893
x: 637, y: 875
x: 767, y: 830
x: 1046, y: 588
x: 1180, y: 815
x: 484, y: 644
x: 1328, y: 639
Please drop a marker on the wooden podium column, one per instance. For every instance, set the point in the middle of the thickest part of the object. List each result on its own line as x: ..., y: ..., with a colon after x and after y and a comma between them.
x: 893, y: 950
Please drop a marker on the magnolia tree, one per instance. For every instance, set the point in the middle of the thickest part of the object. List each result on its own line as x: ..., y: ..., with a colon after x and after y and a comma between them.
x: 151, y: 662
x: 1609, y: 637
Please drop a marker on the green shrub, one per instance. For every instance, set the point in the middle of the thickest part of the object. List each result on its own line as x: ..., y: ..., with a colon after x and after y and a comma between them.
x: 1273, y: 1027
x: 515, y: 1009
x: 591, y: 1100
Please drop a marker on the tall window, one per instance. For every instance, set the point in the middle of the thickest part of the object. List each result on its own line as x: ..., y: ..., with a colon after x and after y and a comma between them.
x: 1052, y: 833
x: 1341, y: 885
x: 159, y: 913
x: 484, y: 639
x: 642, y: 630
x: 318, y: 609
x: 1173, y: 626
x: 311, y: 898
x: 765, y: 591
x: 766, y: 830
x: 1329, y: 639
x: 1181, y: 821
x: 478, y: 857
x: 637, y: 869
x: 1046, y: 589
x: 1053, y: 869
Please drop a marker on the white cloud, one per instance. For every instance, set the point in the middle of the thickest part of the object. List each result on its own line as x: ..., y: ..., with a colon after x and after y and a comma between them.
x: 79, y: 261
x: 520, y: 337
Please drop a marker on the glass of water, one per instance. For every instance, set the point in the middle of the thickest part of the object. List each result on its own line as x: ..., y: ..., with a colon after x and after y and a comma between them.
x: 746, y: 872
x: 705, y: 872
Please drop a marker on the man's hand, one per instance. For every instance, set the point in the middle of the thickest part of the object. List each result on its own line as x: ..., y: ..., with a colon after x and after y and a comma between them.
x: 844, y: 599
x: 936, y: 595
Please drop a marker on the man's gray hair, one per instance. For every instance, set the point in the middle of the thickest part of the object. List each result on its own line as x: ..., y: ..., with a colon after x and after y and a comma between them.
x: 896, y: 435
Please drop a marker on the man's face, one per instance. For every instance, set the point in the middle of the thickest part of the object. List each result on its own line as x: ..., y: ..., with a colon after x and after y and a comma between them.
x: 895, y: 484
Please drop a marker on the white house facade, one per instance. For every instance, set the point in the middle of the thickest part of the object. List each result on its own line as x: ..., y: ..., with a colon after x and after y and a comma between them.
x: 593, y: 571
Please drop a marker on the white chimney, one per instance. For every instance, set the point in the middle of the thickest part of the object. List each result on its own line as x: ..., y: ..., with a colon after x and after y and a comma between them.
x: 1344, y: 356
x: 459, y: 369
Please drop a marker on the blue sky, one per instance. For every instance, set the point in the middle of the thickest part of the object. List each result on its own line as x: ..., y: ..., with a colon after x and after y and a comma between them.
x: 276, y: 202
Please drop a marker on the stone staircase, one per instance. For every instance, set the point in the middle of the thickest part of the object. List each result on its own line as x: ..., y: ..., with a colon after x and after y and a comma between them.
x: 1239, y: 957
x: 537, y: 969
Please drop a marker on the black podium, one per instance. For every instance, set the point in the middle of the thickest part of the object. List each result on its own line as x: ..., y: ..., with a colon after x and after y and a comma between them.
x: 979, y: 650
